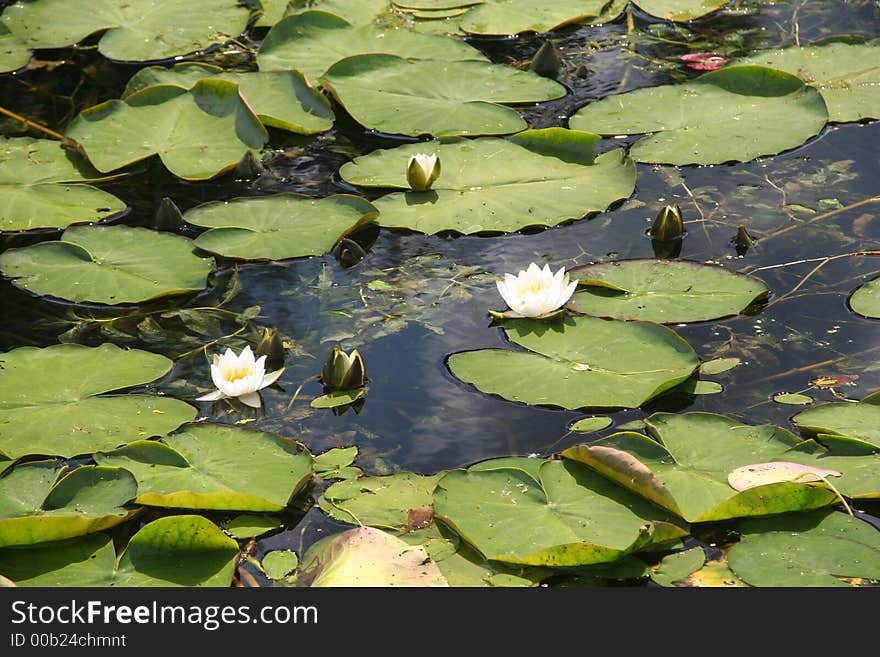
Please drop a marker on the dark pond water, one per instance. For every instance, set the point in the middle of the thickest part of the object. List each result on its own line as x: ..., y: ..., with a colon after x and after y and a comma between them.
x: 415, y: 299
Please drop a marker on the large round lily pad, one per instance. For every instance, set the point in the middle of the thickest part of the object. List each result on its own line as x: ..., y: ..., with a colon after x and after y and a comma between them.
x: 52, y: 399
x: 313, y: 41
x: 815, y: 549
x: 33, y: 193
x: 38, y: 504
x: 537, y: 177
x: 280, y: 99
x: 665, y: 291
x: 846, y: 74
x: 136, y: 30
x: 735, y: 114
x: 437, y: 97
x: 278, y: 226
x: 198, y: 134
x: 866, y: 299
x: 844, y: 423
x: 201, y: 467
x: 573, y: 517
x: 580, y: 362
x: 108, y: 264
x: 183, y: 550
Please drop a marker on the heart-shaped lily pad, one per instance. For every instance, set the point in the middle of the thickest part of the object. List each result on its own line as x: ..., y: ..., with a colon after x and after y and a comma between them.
x: 108, y: 264
x: 537, y: 177
x: 846, y: 74
x: 136, y: 30
x: 313, y: 41
x: 866, y: 299
x: 677, y: 566
x: 580, y: 362
x: 200, y: 467
x: 572, y: 517
x: 52, y: 402
x: 180, y: 550
x: 37, y: 506
x: 437, y: 97
x: 32, y: 189
x: 685, y: 469
x: 278, y: 226
x: 721, y: 116
x: 198, y: 134
x: 814, y: 549
x: 844, y: 425
x: 665, y: 291
x: 388, y: 502
x: 280, y: 99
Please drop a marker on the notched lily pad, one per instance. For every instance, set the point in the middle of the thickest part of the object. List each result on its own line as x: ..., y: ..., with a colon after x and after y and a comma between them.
x: 664, y: 291
x: 678, y: 566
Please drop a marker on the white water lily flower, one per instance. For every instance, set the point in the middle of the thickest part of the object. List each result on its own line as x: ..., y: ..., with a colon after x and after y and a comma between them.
x: 240, y: 376
x: 421, y: 171
x: 536, y: 292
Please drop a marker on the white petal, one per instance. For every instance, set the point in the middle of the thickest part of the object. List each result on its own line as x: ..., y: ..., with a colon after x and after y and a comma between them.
x: 217, y: 376
x: 211, y: 396
x: 533, y: 270
x: 507, y: 290
x: 566, y: 294
x: 271, y: 378
x: 259, y: 367
x: 246, y: 357
x: 251, y: 399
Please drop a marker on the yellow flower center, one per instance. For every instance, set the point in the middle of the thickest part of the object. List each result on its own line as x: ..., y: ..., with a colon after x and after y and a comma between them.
x: 236, y: 373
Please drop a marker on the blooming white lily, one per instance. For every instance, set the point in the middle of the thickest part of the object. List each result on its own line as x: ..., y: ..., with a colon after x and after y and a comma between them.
x: 240, y: 376
x: 536, y: 292
x: 421, y: 171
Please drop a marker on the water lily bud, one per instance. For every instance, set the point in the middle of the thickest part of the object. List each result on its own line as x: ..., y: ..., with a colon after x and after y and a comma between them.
x: 348, y: 252
x: 272, y: 347
x: 422, y: 171
x: 546, y: 62
x: 743, y: 241
x: 668, y: 224
x: 343, y: 371
x: 249, y: 167
x: 168, y: 217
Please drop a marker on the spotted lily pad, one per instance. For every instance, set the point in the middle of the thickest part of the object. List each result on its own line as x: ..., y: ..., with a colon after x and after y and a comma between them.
x: 200, y: 467
x: 844, y: 423
x: 685, y: 467
x: 53, y: 402
x: 311, y: 42
x: 572, y: 517
x: 39, y: 504
x: 198, y: 134
x: 278, y: 226
x: 866, y: 299
x: 437, y: 97
x: 580, y: 362
x: 280, y: 99
x: 846, y: 74
x: 815, y: 549
x: 180, y: 550
x: 665, y: 291
x: 721, y: 116
x: 135, y: 30
x: 493, y: 184
x: 37, y: 190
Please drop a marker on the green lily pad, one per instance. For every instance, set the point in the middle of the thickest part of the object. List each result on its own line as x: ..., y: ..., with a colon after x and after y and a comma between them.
x: 337, y: 398
x: 721, y: 116
x: 336, y: 463
x: 866, y: 299
x: 590, y: 424
x: 249, y: 526
x: 279, y: 226
x: 387, y: 502
x: 677, y: 566
x: 517, y: 16
x: 33, y: 193
x: 664, y: 291
x: 719, y: 365
x: 792, y: 398
x: 362, y: 12
x: 174, y: 551
x: 200, y: 467
x: 574, y: 517
x: 537, y: 177
x: 680, y: 10
x: 108, y: 264
x: 36, y: 506
x: 365, y: 556
x: 436, y: 97
x: 313, y: 41
x: 272, y: 12
x: 135, y: 30
x: 53, y: 403
x: 580, y: 362
x: 846, y: 74
x: 198, y: 134
x: 280, y: 99
x: 815, y: 549
x: 685, y: 468
x: 14, y: 52
x: 279, y: 563
x: 858, y: 423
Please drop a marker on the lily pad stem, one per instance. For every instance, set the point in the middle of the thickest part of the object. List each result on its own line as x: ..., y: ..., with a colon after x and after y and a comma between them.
x: 31, y: 124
